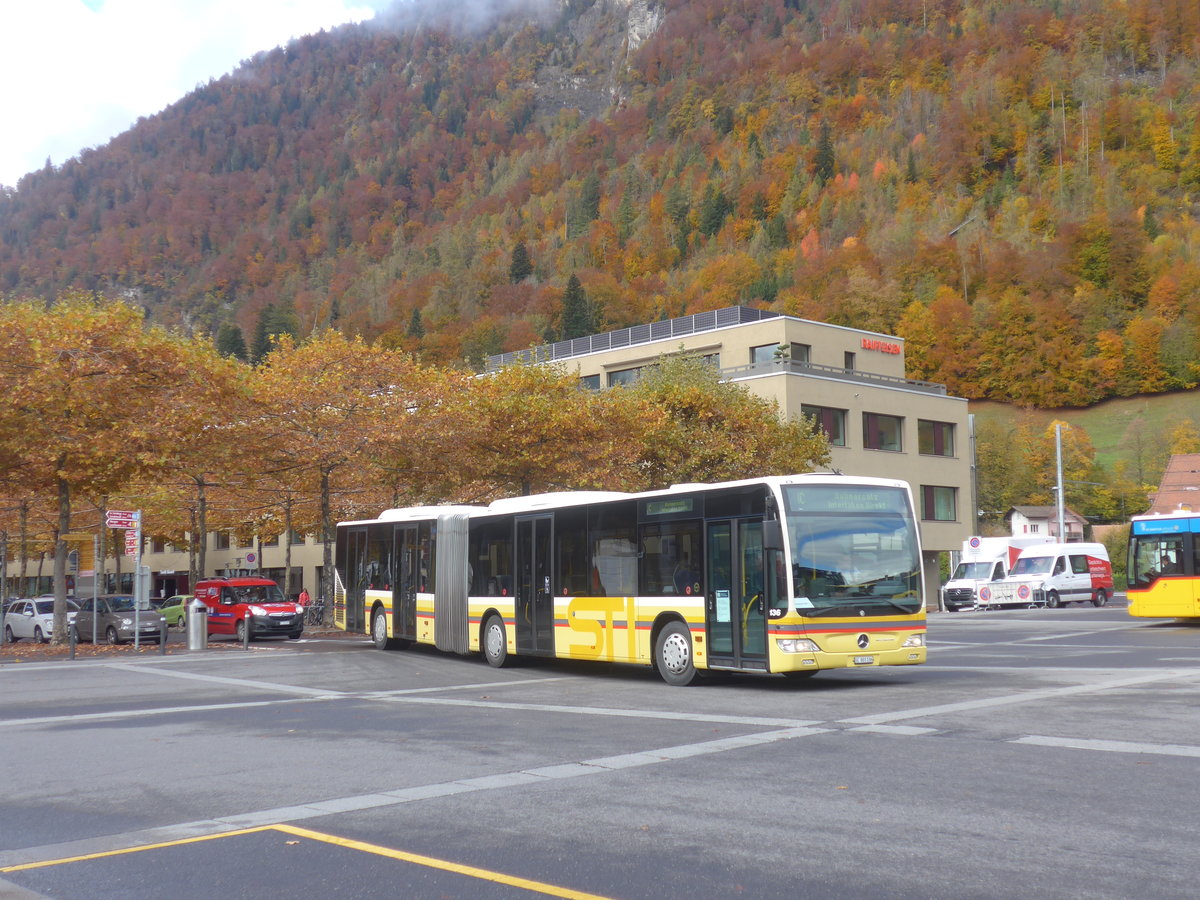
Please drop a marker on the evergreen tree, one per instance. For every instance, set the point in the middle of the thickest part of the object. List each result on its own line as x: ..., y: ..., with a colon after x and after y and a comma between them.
x: 415, y: 327
x: 589, y: 198
x: 825, y: 163
x: 260, y: 346
x: 578, y: 318
x: 713, y: 210
x: 520, y: 266
x: 230, y: 341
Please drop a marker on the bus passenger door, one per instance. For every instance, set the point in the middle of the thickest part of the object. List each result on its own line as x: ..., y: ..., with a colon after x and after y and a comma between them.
x: 534, y: 598
x: 356, y: 585
x: 735, y: 602
x: 404, y: 591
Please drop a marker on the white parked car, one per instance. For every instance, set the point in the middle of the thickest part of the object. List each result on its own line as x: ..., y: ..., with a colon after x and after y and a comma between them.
x: 34, y: 619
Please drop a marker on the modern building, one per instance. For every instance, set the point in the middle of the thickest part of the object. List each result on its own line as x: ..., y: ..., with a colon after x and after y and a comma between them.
x: 852, y: 382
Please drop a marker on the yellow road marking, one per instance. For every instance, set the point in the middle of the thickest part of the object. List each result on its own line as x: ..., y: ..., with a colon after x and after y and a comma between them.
x: 106, y: 853
x: 401, y: 855
x: 433, y: 863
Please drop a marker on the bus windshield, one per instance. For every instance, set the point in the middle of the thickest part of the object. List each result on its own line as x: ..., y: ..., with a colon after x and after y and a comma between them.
x: 976, y: 571
x: 852, y: 546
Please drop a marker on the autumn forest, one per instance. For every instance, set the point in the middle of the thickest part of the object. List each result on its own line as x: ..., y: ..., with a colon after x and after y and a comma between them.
x: 1007, y: 184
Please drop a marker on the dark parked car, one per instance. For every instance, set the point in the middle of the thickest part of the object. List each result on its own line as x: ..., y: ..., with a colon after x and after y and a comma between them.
x: 117, y: 620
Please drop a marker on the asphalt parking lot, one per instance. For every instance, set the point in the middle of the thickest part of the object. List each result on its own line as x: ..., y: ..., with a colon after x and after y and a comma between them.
x: 1043, y: 752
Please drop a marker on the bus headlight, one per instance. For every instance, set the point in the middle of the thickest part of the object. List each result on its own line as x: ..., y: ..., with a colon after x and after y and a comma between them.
x: 917, y: 640
x: 797, y: 645
x: 257, y: 611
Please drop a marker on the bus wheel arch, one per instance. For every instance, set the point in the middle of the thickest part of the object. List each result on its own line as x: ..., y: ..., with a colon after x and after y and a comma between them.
x: 674, y: 652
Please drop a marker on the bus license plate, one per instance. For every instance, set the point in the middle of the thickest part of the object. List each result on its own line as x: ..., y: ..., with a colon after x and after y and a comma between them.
x: 864, y: 660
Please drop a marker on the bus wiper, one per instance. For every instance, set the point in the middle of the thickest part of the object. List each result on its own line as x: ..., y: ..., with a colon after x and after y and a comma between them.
x: 900, y: 606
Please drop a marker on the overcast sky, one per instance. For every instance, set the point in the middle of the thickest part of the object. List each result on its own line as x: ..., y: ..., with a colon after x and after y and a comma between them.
x: 76, y: 73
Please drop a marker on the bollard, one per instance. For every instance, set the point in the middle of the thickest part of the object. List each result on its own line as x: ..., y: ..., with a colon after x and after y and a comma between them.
x: 162, y: 638
x: 197, y: 625
x: 72, y: 638
x: 247, y: 627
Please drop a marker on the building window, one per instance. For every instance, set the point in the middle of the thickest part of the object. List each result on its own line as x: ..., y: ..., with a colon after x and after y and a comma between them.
x: 623, y: 376
x: 935, y: 438
x: 829, y: 420
x: 938, y: 503
x: 296, y: 538
x: 769, y: 353
x: 765, y: 354
x: 269, y: 542
x: 882, y: 432
x: 848, y: 361
x: 590, y: 382
x: 158, y: 546
x: 221, y: 540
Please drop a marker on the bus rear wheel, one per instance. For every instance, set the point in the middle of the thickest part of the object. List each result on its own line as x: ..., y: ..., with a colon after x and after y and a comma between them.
x: 495, y: 642
x: 673, y: 655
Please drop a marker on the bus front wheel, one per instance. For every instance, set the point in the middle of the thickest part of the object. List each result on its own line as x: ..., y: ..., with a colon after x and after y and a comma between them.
x: 495, y: 642
x: 673, y: 655
x: 1053, y: 601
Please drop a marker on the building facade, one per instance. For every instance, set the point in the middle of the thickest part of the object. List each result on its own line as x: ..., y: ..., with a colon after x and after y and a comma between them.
x: 852, y: 382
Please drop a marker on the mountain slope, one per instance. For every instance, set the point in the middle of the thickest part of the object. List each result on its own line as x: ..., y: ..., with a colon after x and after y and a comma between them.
x: 1008, y: 185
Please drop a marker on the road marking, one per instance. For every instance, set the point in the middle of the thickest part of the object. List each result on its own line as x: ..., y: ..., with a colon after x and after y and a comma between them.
x: 316, y: 693
x: 766, y: 721
x: 1010, y: 699
x: 1109, y: 746
x: 539, y: 887
x: 908, y: 730
x: 138, y: 713
x: 528, y: 884
x: 103, y: 854
x: 13, y: 860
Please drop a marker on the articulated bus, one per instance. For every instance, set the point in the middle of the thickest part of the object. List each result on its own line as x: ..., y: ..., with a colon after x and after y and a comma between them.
x: 1164, y: 566
x: 787, y: 575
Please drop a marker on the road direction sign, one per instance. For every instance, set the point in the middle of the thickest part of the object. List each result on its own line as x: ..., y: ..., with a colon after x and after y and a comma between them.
x: 122, y: 518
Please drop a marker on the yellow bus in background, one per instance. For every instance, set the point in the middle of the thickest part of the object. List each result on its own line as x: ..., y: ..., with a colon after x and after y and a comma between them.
x: 1164, y: 566
x: 787, y: 575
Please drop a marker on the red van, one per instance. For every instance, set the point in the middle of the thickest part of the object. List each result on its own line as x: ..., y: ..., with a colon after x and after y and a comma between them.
x: 232, y: 602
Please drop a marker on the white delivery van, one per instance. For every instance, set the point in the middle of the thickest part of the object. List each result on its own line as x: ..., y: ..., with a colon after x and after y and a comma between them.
x: 1051, y: 575
x: 984, y: 559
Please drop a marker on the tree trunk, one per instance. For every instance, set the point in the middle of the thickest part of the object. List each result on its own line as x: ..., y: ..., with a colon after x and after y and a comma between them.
x: 287, y: 548
x: 60, y: 562
x: 201, y: 527
x: 327, y: 537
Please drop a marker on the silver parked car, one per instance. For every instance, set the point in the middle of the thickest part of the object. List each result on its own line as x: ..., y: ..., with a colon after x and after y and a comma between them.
x: 34, y: 619
x: 117, y: 620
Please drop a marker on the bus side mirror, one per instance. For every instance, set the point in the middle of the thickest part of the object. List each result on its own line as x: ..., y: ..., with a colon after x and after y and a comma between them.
x: 772, y: 534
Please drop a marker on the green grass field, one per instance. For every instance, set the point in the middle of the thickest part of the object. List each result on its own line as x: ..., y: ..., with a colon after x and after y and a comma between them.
x: 1136, y: 429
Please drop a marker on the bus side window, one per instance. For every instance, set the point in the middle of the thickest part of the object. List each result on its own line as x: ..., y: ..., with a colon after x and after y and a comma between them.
x: 1060, y: 566
x: 998, y: 572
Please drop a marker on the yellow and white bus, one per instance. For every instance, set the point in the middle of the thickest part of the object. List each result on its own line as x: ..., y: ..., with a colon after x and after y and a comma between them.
x: 787, y: 575
x: 1164, y: 566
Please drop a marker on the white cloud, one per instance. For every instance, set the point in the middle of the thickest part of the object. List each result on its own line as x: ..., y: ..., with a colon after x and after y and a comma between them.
x: 75, y: 73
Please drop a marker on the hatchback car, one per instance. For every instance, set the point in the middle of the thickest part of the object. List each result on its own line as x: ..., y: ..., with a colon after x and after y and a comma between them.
x: 116, y: 619
x: 174, y: 609
x: 34, y: 619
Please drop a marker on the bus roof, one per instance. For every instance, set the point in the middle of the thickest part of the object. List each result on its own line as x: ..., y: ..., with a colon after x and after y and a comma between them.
x: 555, y: 500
